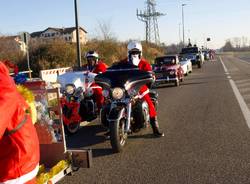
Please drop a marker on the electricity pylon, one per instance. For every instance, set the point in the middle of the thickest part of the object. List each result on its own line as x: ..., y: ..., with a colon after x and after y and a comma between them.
x: 149, y: 17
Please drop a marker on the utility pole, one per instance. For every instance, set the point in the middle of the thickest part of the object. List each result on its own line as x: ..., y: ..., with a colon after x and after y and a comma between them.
x: 77, y: 37
x: 26, y: 38
x: 28, y: 60
x: 183, y: 27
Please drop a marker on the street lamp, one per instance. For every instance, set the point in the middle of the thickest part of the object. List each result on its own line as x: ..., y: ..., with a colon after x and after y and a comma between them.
x: 183, y: 30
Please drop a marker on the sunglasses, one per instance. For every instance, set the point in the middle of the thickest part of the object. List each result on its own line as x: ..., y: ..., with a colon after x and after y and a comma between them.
x: 134, y: 52
x: 91, y: 59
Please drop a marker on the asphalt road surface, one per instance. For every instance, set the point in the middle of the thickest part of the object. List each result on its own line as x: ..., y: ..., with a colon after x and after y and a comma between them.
x: 207, y: 138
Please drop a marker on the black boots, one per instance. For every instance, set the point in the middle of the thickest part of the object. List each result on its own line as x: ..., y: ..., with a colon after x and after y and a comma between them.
x: 155, y: 126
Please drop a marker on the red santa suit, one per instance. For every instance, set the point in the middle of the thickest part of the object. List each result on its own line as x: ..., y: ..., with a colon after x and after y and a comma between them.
x: 100, y: 67
x: 19, y: 150
x: 144, y: 91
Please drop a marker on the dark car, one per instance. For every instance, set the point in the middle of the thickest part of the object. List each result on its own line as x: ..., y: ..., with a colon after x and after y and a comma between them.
x: 194, y: 54
x: 167, y: 69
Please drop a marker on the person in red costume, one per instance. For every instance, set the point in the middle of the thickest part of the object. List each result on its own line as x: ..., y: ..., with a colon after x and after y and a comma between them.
x: 19, y: 145
x: 135, y: 57
x: 96, y: 66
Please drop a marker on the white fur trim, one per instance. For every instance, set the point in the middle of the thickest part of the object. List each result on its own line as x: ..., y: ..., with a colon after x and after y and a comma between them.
x: 96, y: 87
x: 144, y: 93
x: 23, y: 179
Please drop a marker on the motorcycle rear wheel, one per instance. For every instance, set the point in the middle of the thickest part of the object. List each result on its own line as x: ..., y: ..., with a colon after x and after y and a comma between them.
x: 118, y: 136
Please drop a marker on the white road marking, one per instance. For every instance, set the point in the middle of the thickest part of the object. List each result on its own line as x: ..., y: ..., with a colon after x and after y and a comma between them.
x: 242, y: 103
x: 225, y: 69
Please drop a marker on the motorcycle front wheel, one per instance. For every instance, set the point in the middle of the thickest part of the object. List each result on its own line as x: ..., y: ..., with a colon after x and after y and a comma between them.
x: 118, y: 136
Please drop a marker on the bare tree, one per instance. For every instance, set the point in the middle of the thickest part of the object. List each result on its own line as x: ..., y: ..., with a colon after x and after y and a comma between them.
x: 237, y: 42
x: 105, y: 31
x: 228, y: 46
x: 244, y: 41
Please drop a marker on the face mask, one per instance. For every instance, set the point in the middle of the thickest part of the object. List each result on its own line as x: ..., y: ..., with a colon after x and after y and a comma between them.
x: 135, y: 59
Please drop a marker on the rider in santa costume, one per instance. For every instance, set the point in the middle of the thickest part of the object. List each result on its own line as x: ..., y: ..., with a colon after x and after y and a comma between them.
x: 96, y: 66
x: 19, y: 146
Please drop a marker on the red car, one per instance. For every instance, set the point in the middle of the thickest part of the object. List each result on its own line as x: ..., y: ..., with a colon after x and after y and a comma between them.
x: 167, y: 69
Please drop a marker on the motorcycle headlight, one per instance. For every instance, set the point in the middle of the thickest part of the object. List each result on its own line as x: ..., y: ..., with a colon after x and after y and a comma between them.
x: 117, y: 93
x: 70, y: 89
x: 105, y: 93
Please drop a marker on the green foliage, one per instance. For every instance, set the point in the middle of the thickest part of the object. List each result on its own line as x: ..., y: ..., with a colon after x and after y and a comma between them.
x: 58, y: 53
x: 51, y: 55
x: 109, y: 51
x: 151, y: 51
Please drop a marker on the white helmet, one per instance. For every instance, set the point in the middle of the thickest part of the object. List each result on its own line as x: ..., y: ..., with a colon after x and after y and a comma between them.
x: 134, y: 46
x: 92, y: 59
x: 134, y: 52
x: 92, y: 54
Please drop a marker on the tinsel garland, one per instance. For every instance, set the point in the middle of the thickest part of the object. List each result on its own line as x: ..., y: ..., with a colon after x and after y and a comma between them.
x: 43, y: 176
x: 26, y: 93
x: 30, y: 99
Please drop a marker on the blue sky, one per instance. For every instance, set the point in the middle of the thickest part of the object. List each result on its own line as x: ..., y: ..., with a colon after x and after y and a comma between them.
x: 218, y: 19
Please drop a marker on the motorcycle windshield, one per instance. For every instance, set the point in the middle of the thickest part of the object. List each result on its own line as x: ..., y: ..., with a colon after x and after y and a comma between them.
x: 124, y: 75
x: 75, y: 78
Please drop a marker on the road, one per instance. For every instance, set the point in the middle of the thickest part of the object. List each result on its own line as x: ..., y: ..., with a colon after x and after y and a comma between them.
x: 206, y: 135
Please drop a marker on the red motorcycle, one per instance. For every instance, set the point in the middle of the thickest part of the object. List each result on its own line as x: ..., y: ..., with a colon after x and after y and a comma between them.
x: 77, y: 99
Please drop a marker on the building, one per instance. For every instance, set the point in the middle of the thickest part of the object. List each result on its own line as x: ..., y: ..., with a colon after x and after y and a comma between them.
x: 68, y: 34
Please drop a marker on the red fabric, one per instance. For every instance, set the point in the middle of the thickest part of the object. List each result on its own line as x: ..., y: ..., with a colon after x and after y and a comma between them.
x: 145, y: 66
x: 100, y: 67
x: 152, y: 111
x: 74, y: 106
x: 19, y: 152
x: 98, y: 95
x: 11, y: 65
